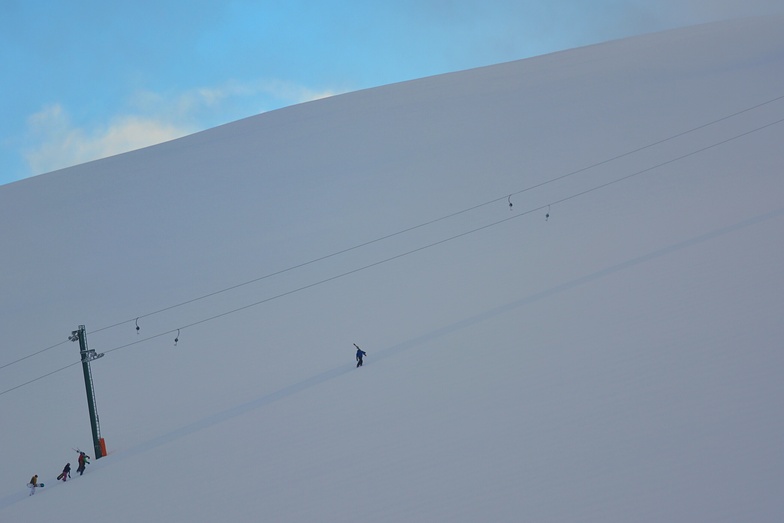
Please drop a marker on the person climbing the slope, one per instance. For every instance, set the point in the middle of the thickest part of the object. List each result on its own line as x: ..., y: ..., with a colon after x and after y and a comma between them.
x: 66, y: 473
x: 33, y: 483
x: 84, y: 460
x: 360, y: 354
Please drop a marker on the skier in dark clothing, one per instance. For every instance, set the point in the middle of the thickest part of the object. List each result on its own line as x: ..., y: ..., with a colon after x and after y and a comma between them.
x: 66, y: 473
x: 360, y: 354
x: 84, y: 460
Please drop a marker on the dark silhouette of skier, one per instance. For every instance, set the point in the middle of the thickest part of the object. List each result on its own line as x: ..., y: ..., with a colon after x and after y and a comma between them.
x: 360, y: 354
x: 66, y: 473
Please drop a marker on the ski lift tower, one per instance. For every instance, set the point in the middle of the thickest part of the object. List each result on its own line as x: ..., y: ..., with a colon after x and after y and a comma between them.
x: 87, y: 356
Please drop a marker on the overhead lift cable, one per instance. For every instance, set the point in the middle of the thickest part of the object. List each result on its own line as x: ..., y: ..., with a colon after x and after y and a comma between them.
x: 433, y: 244
x: 454, y: 237
x: 439, y: 219
x: 448, y: 216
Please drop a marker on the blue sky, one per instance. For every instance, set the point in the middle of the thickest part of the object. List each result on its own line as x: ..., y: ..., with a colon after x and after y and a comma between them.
x: 85, y: 79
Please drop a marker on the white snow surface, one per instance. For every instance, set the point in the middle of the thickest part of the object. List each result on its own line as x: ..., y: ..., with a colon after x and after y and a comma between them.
x: 618, y: 360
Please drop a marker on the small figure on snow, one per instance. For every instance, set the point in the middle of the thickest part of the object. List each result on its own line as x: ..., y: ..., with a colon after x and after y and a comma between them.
x: 84, y: 460
x: 33, y: 483
x: 360, y: 354
x: 66, y: 473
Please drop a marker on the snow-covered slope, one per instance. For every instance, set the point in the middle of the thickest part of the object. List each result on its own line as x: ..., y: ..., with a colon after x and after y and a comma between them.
x: 606, y: 349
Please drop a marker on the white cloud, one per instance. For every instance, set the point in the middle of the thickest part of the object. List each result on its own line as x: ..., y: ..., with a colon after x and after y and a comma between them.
x: 59, y: 144
x: 56, y: 142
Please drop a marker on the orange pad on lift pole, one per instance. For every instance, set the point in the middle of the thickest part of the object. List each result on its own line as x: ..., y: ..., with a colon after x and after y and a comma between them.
x: 102, y: 442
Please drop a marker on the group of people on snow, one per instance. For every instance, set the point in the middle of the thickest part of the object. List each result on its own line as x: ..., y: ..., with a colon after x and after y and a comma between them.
x: 83, y: 461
